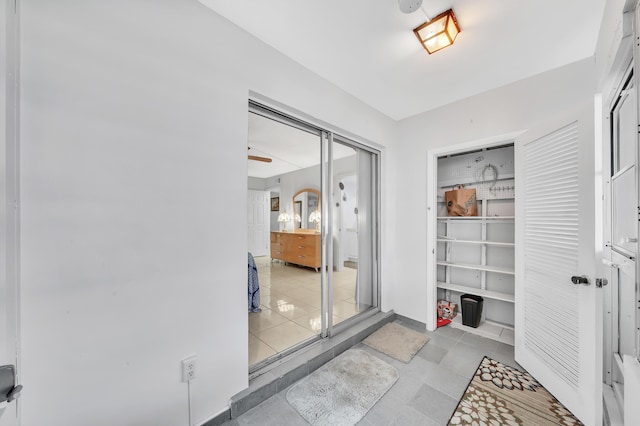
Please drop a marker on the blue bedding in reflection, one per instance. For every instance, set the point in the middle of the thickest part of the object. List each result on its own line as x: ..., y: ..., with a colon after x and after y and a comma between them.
x: 253, y: 286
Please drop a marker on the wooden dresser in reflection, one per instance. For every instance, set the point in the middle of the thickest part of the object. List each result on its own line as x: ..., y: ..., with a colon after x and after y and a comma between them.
x: 300, y: 247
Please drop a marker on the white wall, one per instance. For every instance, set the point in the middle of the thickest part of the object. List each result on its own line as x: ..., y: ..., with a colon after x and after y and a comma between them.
x: 133, y: 168
x: 257, y: 184
x: 518, y: 106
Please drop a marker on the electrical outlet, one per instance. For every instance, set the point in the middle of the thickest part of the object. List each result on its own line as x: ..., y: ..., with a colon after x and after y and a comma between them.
x: 189, y: 368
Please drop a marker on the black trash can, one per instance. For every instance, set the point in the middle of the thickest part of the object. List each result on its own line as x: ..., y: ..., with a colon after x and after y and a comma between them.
x: 471, y: 309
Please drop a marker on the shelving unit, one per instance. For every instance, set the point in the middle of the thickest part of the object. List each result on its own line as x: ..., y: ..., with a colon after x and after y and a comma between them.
x: 491, y: 330
x: 485, y: 268
x: 505, y: 297
x: 475, y: 255
x: 489, y: 243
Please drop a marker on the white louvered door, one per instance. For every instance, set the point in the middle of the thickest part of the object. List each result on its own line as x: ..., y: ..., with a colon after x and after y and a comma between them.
x: 558, y: 323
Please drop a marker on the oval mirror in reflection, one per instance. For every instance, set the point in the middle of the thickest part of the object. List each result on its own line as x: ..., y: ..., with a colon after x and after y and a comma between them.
x: 306, y: 209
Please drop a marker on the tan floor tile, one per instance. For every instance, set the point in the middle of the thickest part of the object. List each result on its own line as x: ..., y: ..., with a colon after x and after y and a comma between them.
x: 292, y: 308
x: 264, y: 291
x: 347, y: 285
x: 273, y: 300
x: 343, y: 294
x: 313, y: 322
x: 290, y: 297
x: 344, y: 309
x: 265, y: 319
x: 258, y: 350
x: 284, y: 286
x: 301, y: 293
x: 313, y: 300
x: 284, y: 336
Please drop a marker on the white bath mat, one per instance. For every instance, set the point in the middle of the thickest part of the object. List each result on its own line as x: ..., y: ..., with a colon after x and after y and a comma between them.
x: 343, y: 390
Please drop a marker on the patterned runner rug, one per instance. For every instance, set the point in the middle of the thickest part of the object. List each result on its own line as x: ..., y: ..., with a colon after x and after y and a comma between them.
x: 501, y: 395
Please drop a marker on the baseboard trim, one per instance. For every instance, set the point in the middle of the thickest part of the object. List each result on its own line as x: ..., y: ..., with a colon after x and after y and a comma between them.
x: 218, y: 420
x: 409, y: 322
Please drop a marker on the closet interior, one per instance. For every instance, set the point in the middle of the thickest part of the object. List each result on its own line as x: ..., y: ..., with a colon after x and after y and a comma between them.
x: 475, y: 254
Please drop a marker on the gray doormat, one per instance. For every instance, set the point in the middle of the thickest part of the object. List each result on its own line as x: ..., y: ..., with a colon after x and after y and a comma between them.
x: 343, y: 390
x: 397, y: 341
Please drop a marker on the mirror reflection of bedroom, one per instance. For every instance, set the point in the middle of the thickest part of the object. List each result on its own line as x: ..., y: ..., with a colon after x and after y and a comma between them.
x: 284, y: 214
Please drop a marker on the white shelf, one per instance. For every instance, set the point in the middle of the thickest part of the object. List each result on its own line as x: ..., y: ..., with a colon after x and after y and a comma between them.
x: 477, y: 243
x: 496, y: 295
x: 478, y: 218
x: 452, y: 182
x: 443, y: 239
x: 487, y: 268
x: 491, y: 330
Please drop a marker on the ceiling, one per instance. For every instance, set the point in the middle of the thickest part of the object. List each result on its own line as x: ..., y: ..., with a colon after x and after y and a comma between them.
x: 367, y: 47
x: 289, y: 148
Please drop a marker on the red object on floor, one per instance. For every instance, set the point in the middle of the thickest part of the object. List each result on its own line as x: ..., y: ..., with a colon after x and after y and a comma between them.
x: 442, y: 321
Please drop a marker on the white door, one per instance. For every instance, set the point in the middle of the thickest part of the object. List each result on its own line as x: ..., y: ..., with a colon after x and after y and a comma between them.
x: 258, y: 222
x: 558, y: 323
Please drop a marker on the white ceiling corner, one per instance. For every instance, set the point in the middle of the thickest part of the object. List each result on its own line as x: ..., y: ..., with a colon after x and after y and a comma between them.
x: 368, y: 49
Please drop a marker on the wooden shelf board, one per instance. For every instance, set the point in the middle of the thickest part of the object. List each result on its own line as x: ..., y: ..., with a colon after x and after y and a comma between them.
x: 478, y: 267
x: 487, y: 329
x: 444, y: 239
x: 505, y: 297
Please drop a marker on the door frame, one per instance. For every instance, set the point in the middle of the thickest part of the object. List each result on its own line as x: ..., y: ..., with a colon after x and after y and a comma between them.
x: 626, y: 60
x: 432, y: 209
x: 9, y: 197
x: 609, y: 307
x: 272, y: 109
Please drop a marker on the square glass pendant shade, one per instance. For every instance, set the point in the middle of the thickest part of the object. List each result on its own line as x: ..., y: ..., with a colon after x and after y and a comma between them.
x: 439, y: 32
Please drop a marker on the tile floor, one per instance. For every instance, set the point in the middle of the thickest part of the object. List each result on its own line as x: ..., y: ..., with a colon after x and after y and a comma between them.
x: 426, y: 393
x: 290, y: 302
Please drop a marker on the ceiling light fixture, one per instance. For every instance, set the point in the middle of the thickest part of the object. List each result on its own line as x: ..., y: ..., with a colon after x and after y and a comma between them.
x: 439, y: 32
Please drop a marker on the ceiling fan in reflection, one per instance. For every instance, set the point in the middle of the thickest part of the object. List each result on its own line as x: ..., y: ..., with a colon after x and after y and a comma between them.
x: 258, y: 158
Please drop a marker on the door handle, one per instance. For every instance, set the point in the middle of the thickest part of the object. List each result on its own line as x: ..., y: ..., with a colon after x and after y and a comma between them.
x: 14, y: 393
x: 632, y: 240
x: 8, y: 389
x: 584, y: 280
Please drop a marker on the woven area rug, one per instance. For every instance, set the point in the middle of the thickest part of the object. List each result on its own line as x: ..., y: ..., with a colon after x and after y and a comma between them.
x: 501, y: 395
x: 343, y: 390
x: 397, y: 341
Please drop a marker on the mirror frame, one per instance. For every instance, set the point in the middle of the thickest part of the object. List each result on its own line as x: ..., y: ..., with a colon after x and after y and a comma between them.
x: 293, y: 200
